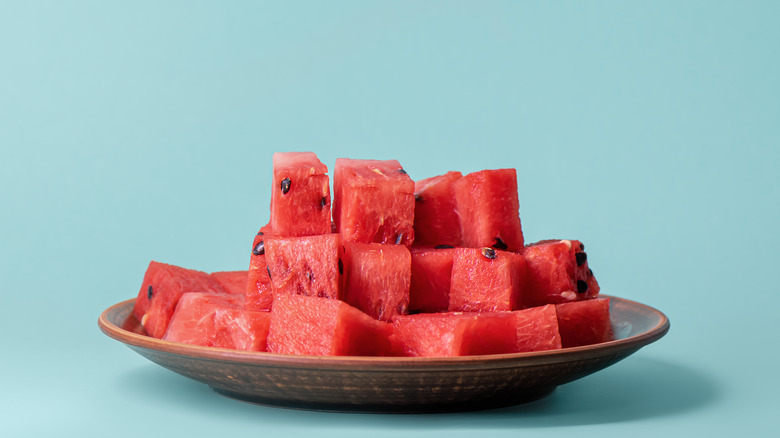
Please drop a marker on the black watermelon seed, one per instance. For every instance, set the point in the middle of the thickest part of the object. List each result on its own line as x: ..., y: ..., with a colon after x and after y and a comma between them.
x: 489, y: 253
x: 259, y: 233
x: 402, y: 172
x: 582, y: 287
x: 269, y: 272
x: 399, y: 239
x: 286, y: 185
x: 149, y: 292
x: 590, y: 272
x: 582, y: 247
x: 341, y: 267
x: 500, y: 244
x: 259, y: 249
x: 581, y: 258
x: 323, y: 202
x: 443, y: 247
x: 418, y: 198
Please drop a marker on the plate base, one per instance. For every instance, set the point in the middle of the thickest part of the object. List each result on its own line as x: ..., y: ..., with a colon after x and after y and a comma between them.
x: 482, y: 404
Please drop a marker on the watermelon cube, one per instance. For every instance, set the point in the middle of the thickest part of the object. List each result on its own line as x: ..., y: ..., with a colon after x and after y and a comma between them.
x: 373, y: 201
x: 493, y: 333
x: 463, y: 334
x: 429, y: 289
x: 487, y: 204
x: 432, y: 334
x: 193, y: 320
x: 300, y: 199
x: 306, y: 265
x: 377, y: 278
x: 558, y: 272
x: 537, y: 329
x: 486, y: 280
x: 162, y: 287
x: 241, y: 329
x: 258, y: 291
x: 453, y: 334
x: 584, y: 322
x: 218, y: 320
x: 234, y: 282
x: 324, y: 327
x: 435, y: 219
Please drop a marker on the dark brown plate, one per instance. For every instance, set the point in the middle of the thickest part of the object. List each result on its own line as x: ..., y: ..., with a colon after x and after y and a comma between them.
x: 389, y: 384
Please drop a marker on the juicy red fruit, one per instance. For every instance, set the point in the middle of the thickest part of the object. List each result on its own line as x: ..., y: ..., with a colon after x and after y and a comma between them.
x: 193, y: 320
x: 429, y: 289
x: 300, y: 198
x: 584, y: 322
x: 258, y: 291
x: 161, y: 289
x: 486, y: 280
x: 373, y: 202
x: 324, y: 327
x: 537, y: 329
x: 557, y: 274
x: 377, y: 278
x: 487, y: 205
x: 304, y: 265
x: 234, y: 282
x: 435, y: 219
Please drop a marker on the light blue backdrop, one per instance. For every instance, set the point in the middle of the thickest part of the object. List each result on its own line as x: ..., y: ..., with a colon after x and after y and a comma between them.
x: 133, y: 131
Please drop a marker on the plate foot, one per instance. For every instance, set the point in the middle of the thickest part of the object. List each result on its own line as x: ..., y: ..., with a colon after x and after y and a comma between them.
x: 526, y: 396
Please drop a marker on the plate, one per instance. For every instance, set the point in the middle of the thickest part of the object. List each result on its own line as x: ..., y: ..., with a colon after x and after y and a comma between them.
x: 389, y: 384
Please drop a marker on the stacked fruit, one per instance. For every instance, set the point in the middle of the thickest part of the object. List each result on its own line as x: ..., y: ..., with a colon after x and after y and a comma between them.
x: 433, y: 268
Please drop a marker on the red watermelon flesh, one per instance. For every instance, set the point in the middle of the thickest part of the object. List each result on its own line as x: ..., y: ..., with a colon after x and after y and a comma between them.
x: 584, y: 322
x: 432, y: 334
x: 435, y: 219
x: 487, y: 205
x: 453, y: 334
x: 241, y: 329
x: 486, y: 280
x: 494, y: 333
x: 462, y: 334
x: 193, y: 321
x: 583, y: 272
x: 304, y: 265
x: 300, y: 199
x: 258, y: 291
x: 377, y: 278
x: 373, y: 201
x: 234, y: 282
x: 558, y: 272
x: 537, y: 329
x: 162, y: 286
x: 324, y: 327
x: 429, y: 289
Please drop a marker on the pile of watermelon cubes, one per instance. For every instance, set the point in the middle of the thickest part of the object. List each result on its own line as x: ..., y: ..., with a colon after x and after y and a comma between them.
x: 384, y: 266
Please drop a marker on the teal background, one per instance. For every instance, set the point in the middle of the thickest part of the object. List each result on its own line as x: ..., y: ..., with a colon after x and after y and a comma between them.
x: 143, y: 130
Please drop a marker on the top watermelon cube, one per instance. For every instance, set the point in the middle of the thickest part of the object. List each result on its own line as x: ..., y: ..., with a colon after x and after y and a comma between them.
x: 300, y: 199
x: 373, y: 201
x: 487, y: 204
x: 435, y: 219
